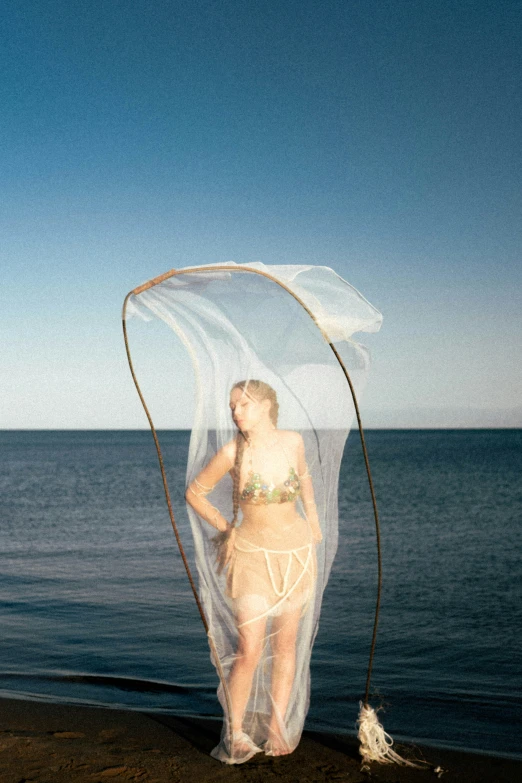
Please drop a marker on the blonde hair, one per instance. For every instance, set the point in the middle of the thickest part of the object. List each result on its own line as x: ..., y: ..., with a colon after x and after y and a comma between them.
x: 259, y: 391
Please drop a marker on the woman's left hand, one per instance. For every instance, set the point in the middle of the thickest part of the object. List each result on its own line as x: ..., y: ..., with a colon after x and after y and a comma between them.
x: 225, y: 547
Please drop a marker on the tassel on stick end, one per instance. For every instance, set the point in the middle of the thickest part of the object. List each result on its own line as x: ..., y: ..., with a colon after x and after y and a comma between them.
x: 376, y: 744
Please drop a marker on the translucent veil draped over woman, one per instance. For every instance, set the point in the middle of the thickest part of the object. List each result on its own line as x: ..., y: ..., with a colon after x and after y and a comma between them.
x: 273, y: 412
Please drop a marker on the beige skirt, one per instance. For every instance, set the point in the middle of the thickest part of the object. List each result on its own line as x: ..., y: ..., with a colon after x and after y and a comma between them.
x: 269, y: 582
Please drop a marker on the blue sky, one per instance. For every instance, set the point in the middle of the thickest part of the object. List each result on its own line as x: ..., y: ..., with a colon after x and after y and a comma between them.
x: 379, y: 138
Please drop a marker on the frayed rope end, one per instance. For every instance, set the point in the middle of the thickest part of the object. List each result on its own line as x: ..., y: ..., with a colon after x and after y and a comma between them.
x: 376, y: 744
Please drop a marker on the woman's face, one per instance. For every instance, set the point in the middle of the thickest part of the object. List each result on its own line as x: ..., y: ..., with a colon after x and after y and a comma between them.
x: 247, y: 412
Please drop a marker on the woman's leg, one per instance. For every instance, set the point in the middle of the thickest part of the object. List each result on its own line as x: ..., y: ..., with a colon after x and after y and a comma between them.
x: 250, y: 646
x: 283, y: 638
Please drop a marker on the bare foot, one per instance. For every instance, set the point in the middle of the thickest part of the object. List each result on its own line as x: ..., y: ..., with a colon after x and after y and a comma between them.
x: 276, y: 745
x: 242, y: 745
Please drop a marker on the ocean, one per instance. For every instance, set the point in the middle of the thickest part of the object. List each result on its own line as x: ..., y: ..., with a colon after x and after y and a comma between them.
x: 95, y: 607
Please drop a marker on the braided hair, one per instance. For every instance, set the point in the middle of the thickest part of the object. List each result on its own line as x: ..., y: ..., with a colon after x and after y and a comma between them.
x: 258, y: 390
x: 240, y: 447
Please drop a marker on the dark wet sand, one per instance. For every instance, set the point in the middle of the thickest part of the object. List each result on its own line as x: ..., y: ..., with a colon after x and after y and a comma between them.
x: 50, y: 743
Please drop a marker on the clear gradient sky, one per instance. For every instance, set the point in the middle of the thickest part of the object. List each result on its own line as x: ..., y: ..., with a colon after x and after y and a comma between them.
x: 379, y: 137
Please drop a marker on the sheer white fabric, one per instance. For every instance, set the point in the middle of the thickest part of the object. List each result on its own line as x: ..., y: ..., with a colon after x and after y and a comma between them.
x: 239, y: 325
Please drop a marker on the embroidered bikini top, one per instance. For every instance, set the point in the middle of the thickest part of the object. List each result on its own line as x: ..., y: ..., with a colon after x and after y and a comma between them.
x: 257, y: 491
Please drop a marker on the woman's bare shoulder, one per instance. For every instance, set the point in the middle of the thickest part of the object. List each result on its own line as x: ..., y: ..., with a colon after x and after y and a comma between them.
x: 290, y: 437
x: 229, y: 451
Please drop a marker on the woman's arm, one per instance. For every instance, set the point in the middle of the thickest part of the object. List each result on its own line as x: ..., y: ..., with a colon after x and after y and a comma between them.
x: 307, y: 492
x: 205, y: 482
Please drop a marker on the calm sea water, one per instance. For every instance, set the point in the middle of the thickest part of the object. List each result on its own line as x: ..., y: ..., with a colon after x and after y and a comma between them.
x: 95, y: 606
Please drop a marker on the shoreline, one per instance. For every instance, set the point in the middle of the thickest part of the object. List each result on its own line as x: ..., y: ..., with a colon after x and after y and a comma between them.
x: 54, y: 743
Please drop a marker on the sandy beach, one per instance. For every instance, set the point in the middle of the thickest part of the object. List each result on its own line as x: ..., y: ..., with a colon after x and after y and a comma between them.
x: 51, y: 743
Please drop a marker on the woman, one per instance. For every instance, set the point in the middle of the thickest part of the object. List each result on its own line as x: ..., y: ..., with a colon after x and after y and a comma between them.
x: 270, y: 565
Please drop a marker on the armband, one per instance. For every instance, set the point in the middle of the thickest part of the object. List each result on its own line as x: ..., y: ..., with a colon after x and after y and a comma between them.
x: 203, y: 490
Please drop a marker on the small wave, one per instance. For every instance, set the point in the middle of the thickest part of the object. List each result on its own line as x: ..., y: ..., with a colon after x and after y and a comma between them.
x: 122, y: 683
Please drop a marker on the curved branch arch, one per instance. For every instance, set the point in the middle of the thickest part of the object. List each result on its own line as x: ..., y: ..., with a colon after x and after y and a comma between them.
x: 248, y: 270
